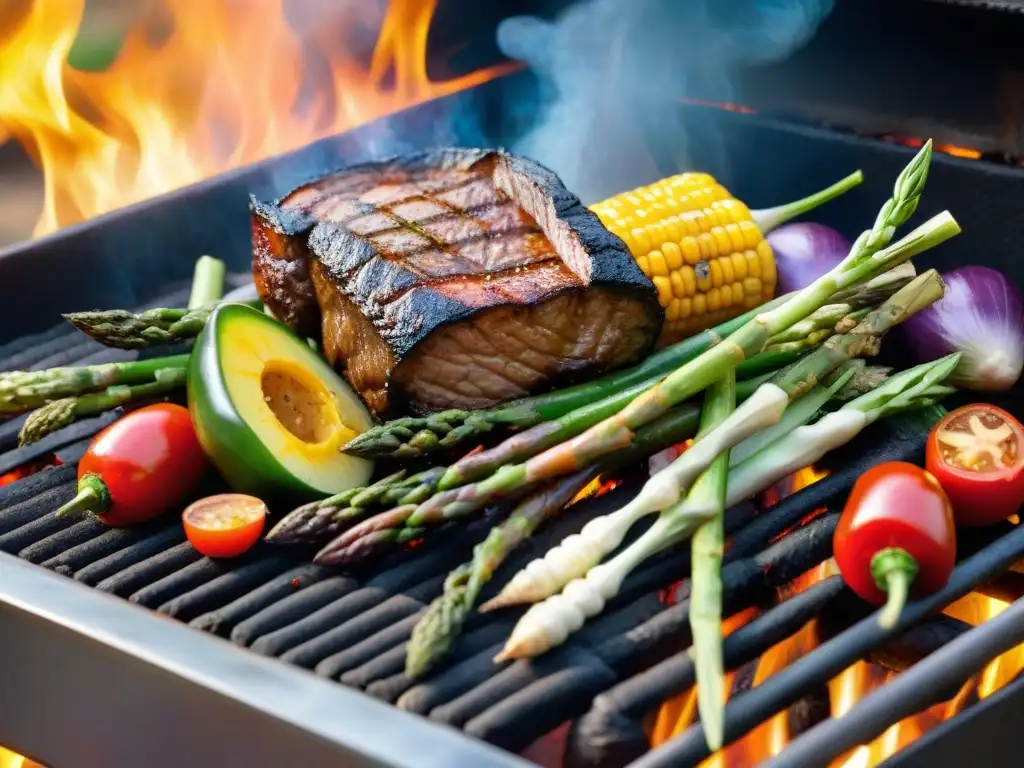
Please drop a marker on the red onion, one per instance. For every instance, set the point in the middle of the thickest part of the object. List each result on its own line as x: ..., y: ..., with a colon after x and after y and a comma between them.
x: 981, y: 316
x: 804, y: 252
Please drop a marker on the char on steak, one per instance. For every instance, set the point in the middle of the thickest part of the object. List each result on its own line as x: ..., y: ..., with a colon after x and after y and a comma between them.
x: 455, y: 278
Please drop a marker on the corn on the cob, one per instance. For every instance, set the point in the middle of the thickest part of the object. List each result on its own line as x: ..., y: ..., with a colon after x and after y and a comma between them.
x: 703, y: 249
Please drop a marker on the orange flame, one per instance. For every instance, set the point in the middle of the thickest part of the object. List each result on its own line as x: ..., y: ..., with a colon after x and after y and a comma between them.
x: 771, y: 737
x: 228, y: 85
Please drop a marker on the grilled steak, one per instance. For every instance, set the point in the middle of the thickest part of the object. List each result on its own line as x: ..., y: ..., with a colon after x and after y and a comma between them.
x: 452, y: 279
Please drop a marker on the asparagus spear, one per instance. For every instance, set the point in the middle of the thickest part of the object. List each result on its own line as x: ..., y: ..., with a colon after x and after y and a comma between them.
x: 435, y: 633
x: 385, y: 527
x: 706, y: 551
x: 21, y: 391
x: 415, y: 436
x: 129, y: 330
x: 60, y: 413
x: 763, y: 409
x: 549, y: 623
x: 320, y: 521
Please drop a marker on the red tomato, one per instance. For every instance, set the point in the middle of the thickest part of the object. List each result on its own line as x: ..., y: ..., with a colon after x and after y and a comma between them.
x: 140, y: 466
x: 975, y: 454
x: 895, y: 506
x: 226, y: 525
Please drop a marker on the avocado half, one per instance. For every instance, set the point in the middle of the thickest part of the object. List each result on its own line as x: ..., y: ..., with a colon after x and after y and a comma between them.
x: 270, y: 413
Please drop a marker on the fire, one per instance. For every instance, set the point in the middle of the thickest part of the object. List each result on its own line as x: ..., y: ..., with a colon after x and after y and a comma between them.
x: 226, y: 84
x: 844, y: 691
x: 9, y: 759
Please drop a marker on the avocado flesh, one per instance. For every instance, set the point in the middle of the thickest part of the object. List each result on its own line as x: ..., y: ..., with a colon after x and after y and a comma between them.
x: 270, y: 413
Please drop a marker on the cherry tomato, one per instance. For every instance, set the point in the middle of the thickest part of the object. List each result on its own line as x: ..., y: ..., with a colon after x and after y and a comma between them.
x: 226, y: 525
x: 896, y: 534
x: 975, y: 453
x: 140, y: 466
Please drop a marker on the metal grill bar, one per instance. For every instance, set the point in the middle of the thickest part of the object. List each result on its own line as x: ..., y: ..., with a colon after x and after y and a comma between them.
x: 918, y: 688
x: 829, y: 659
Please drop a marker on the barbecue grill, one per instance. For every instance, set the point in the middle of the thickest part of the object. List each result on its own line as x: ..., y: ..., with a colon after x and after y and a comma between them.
x: 268, y: 660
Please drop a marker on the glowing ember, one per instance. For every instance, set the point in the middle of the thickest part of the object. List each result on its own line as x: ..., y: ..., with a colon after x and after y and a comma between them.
x: 596, y: 487
x: 9, y: 759
x: 229, y: 84
x: 771, y: 737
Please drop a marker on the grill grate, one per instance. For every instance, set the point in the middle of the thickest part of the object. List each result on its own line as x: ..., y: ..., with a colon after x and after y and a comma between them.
x: 353, y: 628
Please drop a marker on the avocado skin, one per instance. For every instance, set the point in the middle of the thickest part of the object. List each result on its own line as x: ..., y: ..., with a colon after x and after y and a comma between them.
x: 232, y: 447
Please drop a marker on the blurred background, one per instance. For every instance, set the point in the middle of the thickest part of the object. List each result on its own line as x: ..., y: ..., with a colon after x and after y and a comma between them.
x: 104, y: 103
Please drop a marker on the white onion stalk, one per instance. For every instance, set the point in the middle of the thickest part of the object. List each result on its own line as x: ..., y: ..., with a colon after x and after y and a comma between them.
x: 805, y: 445
x: 579, y: 553
x: 548, y: 624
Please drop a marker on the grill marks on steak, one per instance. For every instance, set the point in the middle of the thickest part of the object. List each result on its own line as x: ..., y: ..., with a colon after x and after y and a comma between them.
x: 460, y: 278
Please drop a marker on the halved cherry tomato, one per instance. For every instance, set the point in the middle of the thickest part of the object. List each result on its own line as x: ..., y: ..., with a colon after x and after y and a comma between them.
x: 975, y: 453
x: 226, y: 525
x: 895, y: 536
x: 140, y: 466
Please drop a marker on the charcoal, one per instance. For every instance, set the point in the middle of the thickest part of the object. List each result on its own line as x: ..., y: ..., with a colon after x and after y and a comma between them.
x: 25, y: 353
x: 110, y: 541
x: 934, y: 680
x: 1007, y: 587
x: 149, y: 571
x: 180, y: 582
x: 611, y: 733
x: 116, y: 562
x: 515, y: 678
x: 88, y: 352
x: 917, y: 642
x: 812, y: 708
x: 73, y: 453
x: 24, y: 501
x: 337, y: 664
x: 77, y: 533
x: 310, y: 626
x: 9, y: 432
x: 455, y: 681
x: 672, y: 626
x: 292, y: 608
x: 829, y: 659
x: 228, y: 586
x: 347, y: 634
x: 388, y: 664
x: 520, y: 718
x: 389, y: 688
x: 222, y: 620
x: 81, y: 431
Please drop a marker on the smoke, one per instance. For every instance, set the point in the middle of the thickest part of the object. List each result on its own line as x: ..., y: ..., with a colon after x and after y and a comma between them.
x: 614, y: 70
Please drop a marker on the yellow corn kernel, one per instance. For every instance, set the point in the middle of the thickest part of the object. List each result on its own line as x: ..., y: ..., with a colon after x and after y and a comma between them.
x: 700, y: 304
x: 728, y: 273
x: 753, y: 264
x: 714, y: 300
x: 678, y: 287
x: 689, y: 278
x: 691, y: 251
x: 716, y: 272
x: 673, y: 256
x: 739, y: 265
x: 701, y: 247
x: 658, y: 265
x: 737, y: 293
x: 664, y: 286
